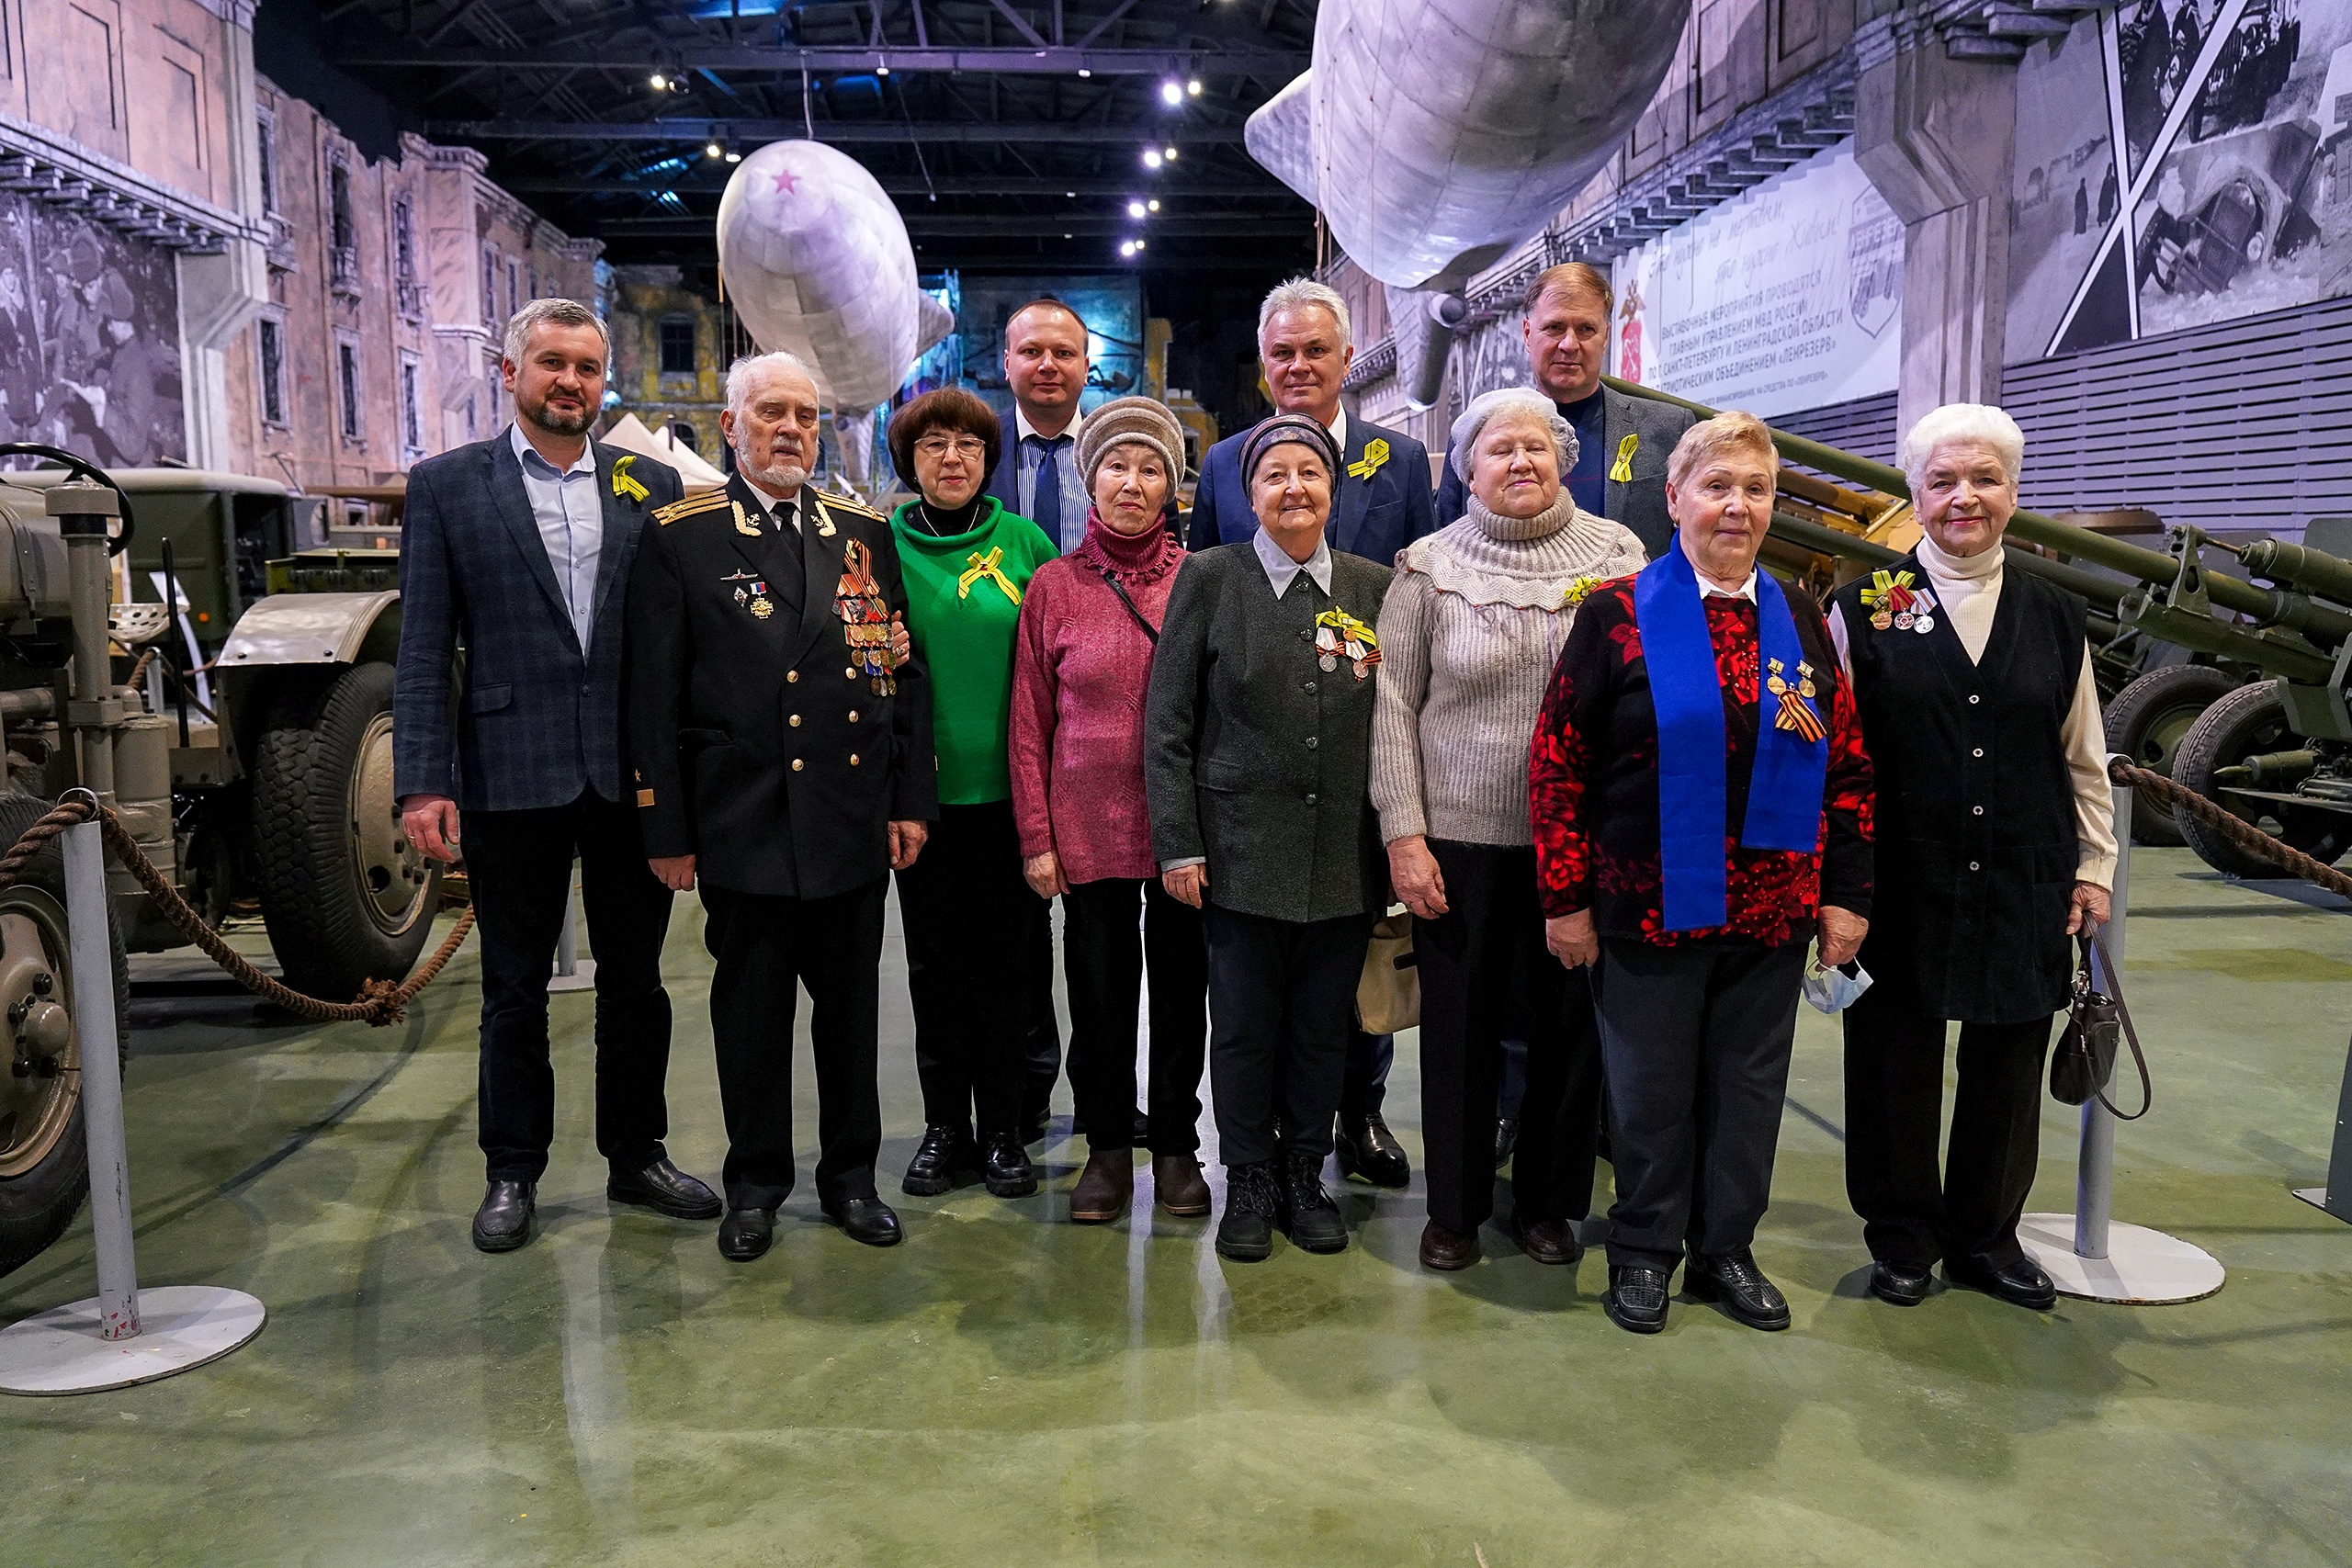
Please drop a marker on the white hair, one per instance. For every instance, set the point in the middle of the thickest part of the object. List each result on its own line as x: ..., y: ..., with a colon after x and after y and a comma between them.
x: 1976, y: 424
x: 748, y: 371
x: 551, y: 312
x: 1299, y: 293
x: 1487, y: 407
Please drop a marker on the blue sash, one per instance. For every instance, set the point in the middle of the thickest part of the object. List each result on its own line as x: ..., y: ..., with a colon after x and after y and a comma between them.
x: 1785, y: 784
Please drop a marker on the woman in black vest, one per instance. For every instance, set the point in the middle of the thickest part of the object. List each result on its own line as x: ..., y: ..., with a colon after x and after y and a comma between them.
x: 1996, y: 844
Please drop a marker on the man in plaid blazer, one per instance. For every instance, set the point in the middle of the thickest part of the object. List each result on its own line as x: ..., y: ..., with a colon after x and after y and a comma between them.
x: 519, y: 548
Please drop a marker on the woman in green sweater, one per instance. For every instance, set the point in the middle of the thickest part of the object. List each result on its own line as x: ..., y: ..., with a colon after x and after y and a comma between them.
x: 969, y: 918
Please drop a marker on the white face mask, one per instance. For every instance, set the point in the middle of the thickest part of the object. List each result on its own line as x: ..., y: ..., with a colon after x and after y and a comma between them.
x: 1833, y: 990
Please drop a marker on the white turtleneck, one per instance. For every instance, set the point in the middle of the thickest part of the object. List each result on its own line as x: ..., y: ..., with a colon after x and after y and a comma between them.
x: 1968, y: 590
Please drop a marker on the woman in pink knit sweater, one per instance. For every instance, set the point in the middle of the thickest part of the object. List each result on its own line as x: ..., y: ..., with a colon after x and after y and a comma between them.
x: 1081, y: 660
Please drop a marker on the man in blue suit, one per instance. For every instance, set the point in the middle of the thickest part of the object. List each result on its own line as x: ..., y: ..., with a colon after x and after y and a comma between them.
x: 518, y: 548
x: 1383, y: 504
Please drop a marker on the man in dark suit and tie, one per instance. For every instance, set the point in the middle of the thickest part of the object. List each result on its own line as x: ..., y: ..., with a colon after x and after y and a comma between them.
x: 783, y: 756
x: 1381, y: 503
x: 519, y: 547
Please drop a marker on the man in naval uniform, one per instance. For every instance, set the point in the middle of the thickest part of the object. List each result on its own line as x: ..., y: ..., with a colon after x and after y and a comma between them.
x: 784, y: 760
x: 1380, y: 504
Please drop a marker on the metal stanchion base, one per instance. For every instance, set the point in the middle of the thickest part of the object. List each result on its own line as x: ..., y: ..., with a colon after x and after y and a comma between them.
x: 58, y: 1351
x: 2317, y: 1198
x: 582, y: 978
x: 2143, y: 1268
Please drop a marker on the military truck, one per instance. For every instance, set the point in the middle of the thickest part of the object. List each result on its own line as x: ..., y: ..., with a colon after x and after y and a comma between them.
x: 253, y: 762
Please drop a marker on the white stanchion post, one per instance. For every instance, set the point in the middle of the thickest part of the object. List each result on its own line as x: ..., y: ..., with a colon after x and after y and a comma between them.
x: 2088, y: 1255
x: 122, y: 1335
x: 573, y: 973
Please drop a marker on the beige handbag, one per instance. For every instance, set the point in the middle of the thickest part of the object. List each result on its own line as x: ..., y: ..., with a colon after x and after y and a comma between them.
x: 1389, y: 996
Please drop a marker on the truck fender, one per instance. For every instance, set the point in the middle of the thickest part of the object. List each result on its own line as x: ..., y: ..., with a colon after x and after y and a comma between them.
x: 313, y: 628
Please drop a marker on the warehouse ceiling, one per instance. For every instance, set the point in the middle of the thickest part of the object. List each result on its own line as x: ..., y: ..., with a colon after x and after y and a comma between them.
x: 1015, y: 135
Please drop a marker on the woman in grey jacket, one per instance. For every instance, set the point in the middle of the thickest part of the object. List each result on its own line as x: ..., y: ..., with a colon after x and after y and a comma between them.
x: 1258, y: 741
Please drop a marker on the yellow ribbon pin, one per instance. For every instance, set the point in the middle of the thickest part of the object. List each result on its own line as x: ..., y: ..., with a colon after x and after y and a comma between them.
x: 1622, y: 470
x: 1375, y: 452
x: 623, y: 484
x: 989, y: 565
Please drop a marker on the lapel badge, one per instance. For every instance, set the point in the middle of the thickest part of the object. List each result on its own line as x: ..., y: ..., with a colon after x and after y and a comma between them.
x: 626, y: 483
x: 1376, y: 453
x: 824, y: 518
x: 744, y: 525
x: 1797, y: 713
x: 1622, y: 470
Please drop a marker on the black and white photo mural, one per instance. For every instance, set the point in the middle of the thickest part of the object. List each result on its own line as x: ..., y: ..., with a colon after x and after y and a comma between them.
x: 2232, y: 196
x: 89, y: 338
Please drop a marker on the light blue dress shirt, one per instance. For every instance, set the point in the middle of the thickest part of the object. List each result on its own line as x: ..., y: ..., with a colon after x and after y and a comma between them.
x: 1075, y: 501
x: 571, y: 517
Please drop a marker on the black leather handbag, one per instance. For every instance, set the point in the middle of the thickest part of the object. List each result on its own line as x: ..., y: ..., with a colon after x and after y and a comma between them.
x: 2097, y: 1024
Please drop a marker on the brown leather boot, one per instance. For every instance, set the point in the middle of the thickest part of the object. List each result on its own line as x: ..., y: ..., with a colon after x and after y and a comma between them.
x: 1105, y: 1187
x: 1176, y: 1178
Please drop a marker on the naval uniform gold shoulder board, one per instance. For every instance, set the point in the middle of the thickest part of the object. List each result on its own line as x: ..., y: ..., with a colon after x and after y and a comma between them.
x: 709, y: 501
x: 850, y: 503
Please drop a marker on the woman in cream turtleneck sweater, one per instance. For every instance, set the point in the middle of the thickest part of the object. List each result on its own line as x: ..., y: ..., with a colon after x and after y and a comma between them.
x: 1469, y: 632
x: 1996, y: 843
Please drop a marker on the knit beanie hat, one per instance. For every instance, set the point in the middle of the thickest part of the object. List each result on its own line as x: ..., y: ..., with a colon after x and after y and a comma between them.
x: 1272, y: 432
x: 1144, y: 420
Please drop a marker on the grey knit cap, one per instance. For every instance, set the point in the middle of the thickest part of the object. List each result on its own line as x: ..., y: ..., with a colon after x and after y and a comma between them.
x: 1306, y: 431
x: 1144, y: 420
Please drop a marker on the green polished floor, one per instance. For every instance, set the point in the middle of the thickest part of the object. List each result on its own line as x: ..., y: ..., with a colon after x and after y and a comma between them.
x: 1008, y: 1387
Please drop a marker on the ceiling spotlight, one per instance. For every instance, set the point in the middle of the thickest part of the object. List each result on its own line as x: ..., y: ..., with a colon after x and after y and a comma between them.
x: 1152, y: 158
x: 659, y: 81
x: 1171, y: 93
x: 1138, y: 244
x: 883, y: 69
x: 1135, y: 208
x: 713, y: 150
x: 734, y: 153
x: 1153, y: 204
x: 1193, y: 88
x: 1083, y: 73
x: 1072, y: 194
x: 1168, y: 154
x: 1126, y: 247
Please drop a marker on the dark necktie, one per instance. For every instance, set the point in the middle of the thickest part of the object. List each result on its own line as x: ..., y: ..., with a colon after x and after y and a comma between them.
x: 786, y: 553
x: 1045, y: 510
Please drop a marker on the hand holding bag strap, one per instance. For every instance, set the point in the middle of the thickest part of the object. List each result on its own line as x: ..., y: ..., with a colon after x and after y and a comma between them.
x: 2131, y: 1036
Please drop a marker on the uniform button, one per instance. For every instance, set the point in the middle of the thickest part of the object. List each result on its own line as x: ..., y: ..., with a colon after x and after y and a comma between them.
x: 1971, y: 865
x: 1979, y: 810
x: 1311, y: 799
x: 792, y: 676
x: 1972, y: 700
x: 794, y: 721
x: 1306, y: 636
x: 1978, y: 753
x: 1312, y: 742
x: 852, y: 716
x: 853, y: 758
x: 1310, y: 685
x: 797, y: 764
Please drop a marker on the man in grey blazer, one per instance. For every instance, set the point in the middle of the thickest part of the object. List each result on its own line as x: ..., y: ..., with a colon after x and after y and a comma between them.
x: 1621, y: 442
x: 518, y: 548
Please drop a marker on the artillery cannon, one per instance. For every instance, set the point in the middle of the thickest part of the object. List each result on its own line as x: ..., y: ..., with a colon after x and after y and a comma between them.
x: 2257, y: 720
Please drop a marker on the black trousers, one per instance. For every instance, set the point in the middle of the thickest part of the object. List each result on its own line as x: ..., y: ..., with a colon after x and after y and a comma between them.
x: 1104, y: 957
x: 1281, y: 995
x: 1477, y: 961
x: 763, y: 947
x: 1695, y: 1043
x: 1044, y: 1053
x: 1363, y: 1087
x: 1894, y: 1091
x: 971, y: 923
x: 518, y: 867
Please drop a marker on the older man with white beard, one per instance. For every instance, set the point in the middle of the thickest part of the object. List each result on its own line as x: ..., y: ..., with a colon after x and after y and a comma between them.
x: 783, y: 763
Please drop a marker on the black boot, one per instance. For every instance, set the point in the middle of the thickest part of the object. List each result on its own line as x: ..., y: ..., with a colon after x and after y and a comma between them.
x: 1253, y: 1206
x: 1315, y: 1222
x: 1005, y: 1167
x: 943, y: 1152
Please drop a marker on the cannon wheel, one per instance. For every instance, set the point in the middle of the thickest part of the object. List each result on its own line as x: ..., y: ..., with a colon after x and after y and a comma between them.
x: 346, y: 898
x: 2247, y: 723
x: 44, y: 1160
x: 2147, y: 721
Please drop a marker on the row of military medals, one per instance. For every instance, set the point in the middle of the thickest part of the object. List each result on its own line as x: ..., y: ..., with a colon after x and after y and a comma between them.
x: 1898, y: 604
x: 865, y: 619
x: 1338, y: 635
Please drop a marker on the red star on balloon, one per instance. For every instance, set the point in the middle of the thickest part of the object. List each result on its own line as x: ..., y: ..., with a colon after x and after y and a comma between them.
x: 787, y: 183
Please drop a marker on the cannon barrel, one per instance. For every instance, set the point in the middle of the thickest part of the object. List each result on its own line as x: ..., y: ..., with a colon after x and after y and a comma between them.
x: 2299, y: 566
x: 2324, y: 625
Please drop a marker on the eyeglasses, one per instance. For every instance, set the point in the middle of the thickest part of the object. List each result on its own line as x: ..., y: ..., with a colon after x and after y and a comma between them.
x: 938, y: 446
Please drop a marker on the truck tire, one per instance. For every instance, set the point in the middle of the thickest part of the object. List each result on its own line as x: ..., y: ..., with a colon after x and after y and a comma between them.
x: 44, y: 1157
x: 2247, y: 723
x: 2147, y: 721
x: 346, y: 898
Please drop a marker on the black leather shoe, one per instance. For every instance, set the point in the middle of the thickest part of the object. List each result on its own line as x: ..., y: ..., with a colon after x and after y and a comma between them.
x: 2022, y: 1283
x: 1253, y: 1204
x: 504, y: 1220
x: 1736, y: 1282
x: 1005, y: 1167
x: 1447, y: 1249
x: 868, y: 1220
x: 746, y: 1234
x: 1506, y: 1139
x: 1636, y: 1301
x: 1548, y: 1241
x: 665, y: 1188
x: 943, y: 1152
x: 1314, y: 1221
x: 1369, y: 1151
x: 1899, y: 1284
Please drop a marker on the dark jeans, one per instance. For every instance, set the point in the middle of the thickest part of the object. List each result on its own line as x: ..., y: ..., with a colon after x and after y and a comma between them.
x: 764, y: 948
x: 1894, y: 1091
x: 1281, y: 994
x: 1491, y: 936
x: 1104, y: 957
x: 1695, y: 1043
x: 971, y: 921
x: 518, y: 868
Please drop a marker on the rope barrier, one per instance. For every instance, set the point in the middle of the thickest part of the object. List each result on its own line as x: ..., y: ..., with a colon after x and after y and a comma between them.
x: 381, y: 1003
x: 2241, y: 834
